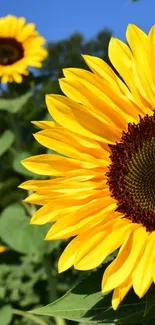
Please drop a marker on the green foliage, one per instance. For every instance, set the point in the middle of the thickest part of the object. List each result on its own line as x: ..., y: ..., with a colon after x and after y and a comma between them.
x: 17, y: 284
x: 150, y: 301
x: 85, y: 303
x: 24, y: 238
x: 6, y: 140
x: 14, y: 105
x: 5, y: 315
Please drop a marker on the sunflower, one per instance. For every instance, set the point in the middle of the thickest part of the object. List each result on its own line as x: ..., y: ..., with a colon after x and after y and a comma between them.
x: 2, y: 249
x: 20, y: 47
x: 103, y: 189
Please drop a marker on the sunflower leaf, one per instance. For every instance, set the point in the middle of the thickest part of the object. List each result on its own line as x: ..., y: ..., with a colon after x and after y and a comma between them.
x: 18, y: 167
x: 85, y: 303
x: 14, y: 105
x: 6, y: 140
x: 150, y: 300
x: 6, y: 314
x: 17, y: 233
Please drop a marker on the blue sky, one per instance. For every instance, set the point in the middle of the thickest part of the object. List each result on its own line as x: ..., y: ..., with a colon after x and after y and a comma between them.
x: 57, y: 19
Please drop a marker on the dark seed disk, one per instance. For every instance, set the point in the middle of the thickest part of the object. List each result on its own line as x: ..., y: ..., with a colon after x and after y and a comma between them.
x: 131, y: 175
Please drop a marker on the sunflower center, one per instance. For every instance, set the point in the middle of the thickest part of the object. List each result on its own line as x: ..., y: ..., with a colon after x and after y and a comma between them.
x: 131, y: 175
x: 10, y: 50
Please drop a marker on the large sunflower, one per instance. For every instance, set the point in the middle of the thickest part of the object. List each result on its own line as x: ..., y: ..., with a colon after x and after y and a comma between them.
x: 20, y: 47
x: 103, y: 193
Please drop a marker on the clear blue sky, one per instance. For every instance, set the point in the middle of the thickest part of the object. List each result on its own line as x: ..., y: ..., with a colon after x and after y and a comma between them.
x: 57, y: 19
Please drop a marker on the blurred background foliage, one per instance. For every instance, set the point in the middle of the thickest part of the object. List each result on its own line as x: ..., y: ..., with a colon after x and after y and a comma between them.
x: 28, y: 267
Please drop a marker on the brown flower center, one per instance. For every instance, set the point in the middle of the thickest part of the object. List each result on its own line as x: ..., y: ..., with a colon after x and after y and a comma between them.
x: 11, y: 51
x: 131, y: 175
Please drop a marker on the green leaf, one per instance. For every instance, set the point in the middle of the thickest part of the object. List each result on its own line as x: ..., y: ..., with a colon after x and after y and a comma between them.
x: 85, y: 303
x: 9, y: 186
x: 6, y: 140
x: 83, y: 323
x: 144, y: 322
x: 18, y: 167
x: 14, y: 105
x: 150, y: 300
x: 5, y: 315
x: 16, y: 231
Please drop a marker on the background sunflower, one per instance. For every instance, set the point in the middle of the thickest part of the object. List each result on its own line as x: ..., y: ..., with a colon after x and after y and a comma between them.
x: 20, y: 48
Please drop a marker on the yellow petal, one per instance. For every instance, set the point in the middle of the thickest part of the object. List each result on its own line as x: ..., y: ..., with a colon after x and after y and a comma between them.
x: 151, y: 49
x: 87, y: 215
x: 47, y: 214
x: 138, y: 42
x: 120, y: 269
x: 13, y: 26
x: 118, y: 110
x: 142, y: 274
x: 69, y: 255
x: 78, y: 177
x: 26, y: 31
x: 120, y: 292
x: 102, y: 242
x: 84, y: 144
x: 44, y: 124
x: 66, y: 143
x: 17, y: 77
x: 55, y: 165
x: 76, y: 118
x: 5, y: 78
x: 67, y: 258
x: 98, y: 99
x: 102, y: 69
x: 121, y: 58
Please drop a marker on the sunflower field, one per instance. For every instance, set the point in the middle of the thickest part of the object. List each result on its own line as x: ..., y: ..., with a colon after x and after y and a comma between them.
x: 77, y: 149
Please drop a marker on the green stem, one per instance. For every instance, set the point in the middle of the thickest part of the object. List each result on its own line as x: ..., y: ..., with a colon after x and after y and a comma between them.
x: 50, y: 278
x: 36, y: 319
x: 32, y: 209
x: 52, y: 287
x: 26, y: 206
x: 15, y: 128
x: 13, y: 122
